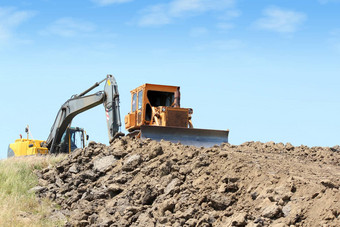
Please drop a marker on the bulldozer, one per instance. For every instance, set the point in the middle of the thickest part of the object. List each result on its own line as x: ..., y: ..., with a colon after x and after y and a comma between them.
x: 156, y: 113
x: 63, y: 137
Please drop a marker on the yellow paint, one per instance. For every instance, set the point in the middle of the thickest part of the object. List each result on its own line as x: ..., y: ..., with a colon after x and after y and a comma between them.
x: 21, y: 147
x: 69, y: 142
x: 109, y: 82
x: 159, y: 114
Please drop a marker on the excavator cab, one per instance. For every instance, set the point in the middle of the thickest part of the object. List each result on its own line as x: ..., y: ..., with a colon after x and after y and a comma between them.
x: 73, y: 138
x: 156, y: 113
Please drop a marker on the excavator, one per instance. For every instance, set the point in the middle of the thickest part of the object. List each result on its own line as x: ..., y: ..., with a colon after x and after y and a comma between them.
x: 62, y: 137
x: 156, y: 113
x: 74, y: 137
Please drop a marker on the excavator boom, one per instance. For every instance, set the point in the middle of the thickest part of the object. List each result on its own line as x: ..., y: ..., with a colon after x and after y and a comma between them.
x: 80, y: 103
x: 62, y: 137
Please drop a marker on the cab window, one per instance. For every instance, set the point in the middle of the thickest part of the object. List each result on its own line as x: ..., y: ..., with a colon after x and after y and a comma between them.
x: 134, y: 100
x: 160, y: 98
x: 140, y: 99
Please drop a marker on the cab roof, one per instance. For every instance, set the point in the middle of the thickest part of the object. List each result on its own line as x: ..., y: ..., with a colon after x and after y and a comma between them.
x: 155, y: 87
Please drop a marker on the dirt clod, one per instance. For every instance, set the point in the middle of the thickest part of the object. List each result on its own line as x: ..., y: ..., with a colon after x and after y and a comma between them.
x: 148, y: 183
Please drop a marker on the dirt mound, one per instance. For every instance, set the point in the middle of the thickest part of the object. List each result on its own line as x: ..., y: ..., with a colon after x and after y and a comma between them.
x: 146, y: 183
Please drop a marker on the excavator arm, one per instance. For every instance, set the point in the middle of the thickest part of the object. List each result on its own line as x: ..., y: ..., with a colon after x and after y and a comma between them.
x: 77, y: 104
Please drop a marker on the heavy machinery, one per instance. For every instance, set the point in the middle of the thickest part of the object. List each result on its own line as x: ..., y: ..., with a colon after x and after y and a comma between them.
x: 62, y: 137
x: 26, y: 146
x: 73, y: 138
x: 156, y: 113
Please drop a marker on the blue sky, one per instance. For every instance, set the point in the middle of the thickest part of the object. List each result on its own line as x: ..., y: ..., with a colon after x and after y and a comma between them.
x: 266, y: 70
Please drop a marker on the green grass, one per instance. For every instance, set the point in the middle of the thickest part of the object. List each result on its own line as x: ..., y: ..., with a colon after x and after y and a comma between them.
x: 19, y: 207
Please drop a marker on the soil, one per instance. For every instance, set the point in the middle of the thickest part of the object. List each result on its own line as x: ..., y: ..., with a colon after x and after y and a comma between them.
x: 149, y: 183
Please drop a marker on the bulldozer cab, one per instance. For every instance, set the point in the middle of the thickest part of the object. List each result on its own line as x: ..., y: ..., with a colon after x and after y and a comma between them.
x: 154, y: 105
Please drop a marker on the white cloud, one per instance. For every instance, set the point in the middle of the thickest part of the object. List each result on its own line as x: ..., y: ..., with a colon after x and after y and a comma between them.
x: 179, y: 7
x: 109, y: 2
x: 280, y: 20
x: 154, y: 16
x: 69, y: 27
x: 224, y: 26
x: 230, y: 14
x: 162, y: 14
x: 10, y: 19
x: 199, y: 31
x: 225, y: 23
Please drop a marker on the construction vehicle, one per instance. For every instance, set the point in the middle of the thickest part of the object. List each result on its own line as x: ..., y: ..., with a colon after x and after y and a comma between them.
x: 156, y: 113
x: 27, y: 146
x: 62, y: 137
x: 72, y: 139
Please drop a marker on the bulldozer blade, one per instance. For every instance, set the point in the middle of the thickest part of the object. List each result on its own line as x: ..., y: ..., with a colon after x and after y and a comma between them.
x: 186, y: 136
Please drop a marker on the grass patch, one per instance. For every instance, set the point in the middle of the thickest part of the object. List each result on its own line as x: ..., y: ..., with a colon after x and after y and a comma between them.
x: 19, y: 207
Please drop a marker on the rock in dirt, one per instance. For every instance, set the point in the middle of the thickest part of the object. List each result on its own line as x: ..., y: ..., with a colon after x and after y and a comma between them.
x: 104, y: 163
x: 132, y: 162
x: 37, y: 189
x: 272, y: 211
x: 149, y: 183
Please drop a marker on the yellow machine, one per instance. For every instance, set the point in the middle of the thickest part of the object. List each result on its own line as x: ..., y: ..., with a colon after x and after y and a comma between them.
x: 73, y: 138
x: 22, y: 147
x: 157, y: 106
x: 63, y: 138
x: 156, y: 113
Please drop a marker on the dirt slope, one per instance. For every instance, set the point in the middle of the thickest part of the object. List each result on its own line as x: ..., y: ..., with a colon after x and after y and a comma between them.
x: 145, y: 183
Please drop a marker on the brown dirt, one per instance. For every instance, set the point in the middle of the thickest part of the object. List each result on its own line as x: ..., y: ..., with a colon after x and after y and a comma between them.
x: 146, y: 183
